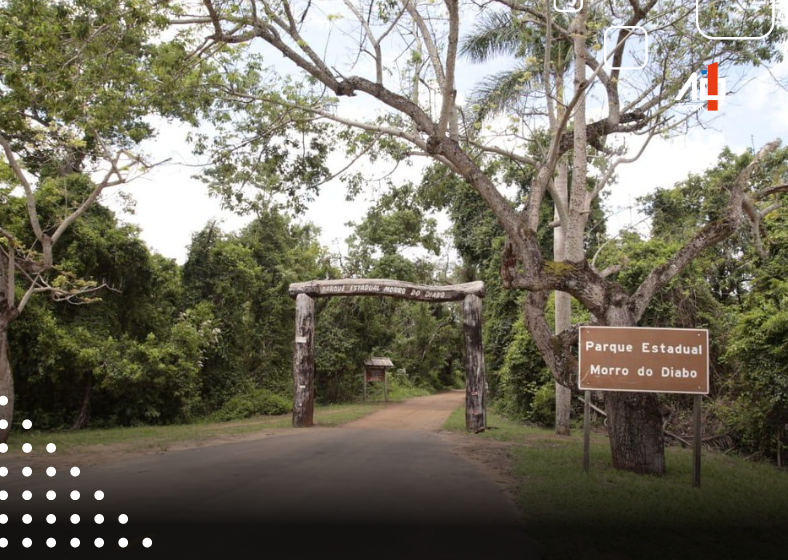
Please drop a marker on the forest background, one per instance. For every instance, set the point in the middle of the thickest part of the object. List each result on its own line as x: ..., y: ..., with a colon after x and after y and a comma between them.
x: 162, y: 342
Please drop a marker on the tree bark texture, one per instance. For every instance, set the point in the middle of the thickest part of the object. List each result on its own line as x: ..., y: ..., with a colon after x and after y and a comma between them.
x: 475, y: 388
x: 635, y: 427
x: 304, y: 363
x: 637, y: 442
x: 563, y: 301
x: 6, y: 384
x: 84, y: 412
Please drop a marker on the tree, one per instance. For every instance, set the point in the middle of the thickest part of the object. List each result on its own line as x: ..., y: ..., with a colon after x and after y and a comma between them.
x: 242, y: 281
x: 78, y: 80
x: 59, y: 376
x: 418, y: 42
x: 501, y: 33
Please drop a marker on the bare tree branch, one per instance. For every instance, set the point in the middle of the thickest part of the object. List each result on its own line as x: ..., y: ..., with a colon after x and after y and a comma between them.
x: 556, y: 350
x: 30, y: 202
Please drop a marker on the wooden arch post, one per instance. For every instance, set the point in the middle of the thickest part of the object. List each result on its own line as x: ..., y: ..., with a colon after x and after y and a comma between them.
x: 475, y: 371
x: 304, y: 363
x: 304, y: 354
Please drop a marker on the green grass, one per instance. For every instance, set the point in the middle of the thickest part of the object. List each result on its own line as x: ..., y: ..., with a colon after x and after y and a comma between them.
x: 498, y: 427
x: 153, y: 438
x: 739, y: 512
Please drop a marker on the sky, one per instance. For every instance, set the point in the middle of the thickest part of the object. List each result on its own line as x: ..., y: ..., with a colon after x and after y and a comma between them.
x: 171, y: 205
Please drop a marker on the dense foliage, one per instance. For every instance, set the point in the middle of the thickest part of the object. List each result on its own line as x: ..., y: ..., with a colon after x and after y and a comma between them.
x: 165, y: 343
x: 213, y: 338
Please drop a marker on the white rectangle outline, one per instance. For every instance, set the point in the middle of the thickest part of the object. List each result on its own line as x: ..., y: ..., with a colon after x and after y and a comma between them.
x: 607, y: 58
x: 557, y: 9
x: 580, y: 367
x: 697, y: 25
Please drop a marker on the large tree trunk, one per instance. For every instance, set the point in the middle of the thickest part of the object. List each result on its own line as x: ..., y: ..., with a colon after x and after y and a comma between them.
x: 6, y: 384
x: 637, y: 442
x: 635, y: 426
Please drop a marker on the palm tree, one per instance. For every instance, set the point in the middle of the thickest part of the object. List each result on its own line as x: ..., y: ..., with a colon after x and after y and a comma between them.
x: 499, y: 33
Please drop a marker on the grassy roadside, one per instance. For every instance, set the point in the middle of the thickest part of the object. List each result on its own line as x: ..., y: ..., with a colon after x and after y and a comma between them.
x: 740, y: 511
x: 160, y: 438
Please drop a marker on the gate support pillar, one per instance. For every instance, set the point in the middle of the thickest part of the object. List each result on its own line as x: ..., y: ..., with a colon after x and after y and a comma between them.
x: 475, y: 384
x: 304, y: 363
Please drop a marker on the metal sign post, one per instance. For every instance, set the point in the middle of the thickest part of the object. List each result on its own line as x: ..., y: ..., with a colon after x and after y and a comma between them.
x: 587, y: 432
x: 696, y: 441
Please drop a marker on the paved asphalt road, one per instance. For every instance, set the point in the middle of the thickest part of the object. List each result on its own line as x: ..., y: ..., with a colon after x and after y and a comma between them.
x: 344, y: 492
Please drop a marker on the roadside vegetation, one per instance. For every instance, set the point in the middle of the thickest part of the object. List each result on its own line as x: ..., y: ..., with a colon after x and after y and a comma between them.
x: 738, y: 512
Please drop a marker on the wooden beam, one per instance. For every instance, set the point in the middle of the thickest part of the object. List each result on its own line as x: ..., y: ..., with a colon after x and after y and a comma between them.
x: 389, y: 288
x: 475, y: 393
x: 304, y: 363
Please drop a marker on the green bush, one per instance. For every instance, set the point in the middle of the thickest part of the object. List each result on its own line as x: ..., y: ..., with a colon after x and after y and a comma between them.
x: 524, y: 377
x: 258, y: 401
x: 543, y: 405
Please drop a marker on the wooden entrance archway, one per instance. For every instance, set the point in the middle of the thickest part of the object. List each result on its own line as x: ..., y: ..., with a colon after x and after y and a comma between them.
x: 304, y: 354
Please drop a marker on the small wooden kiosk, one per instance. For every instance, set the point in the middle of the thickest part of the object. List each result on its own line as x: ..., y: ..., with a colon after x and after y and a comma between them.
x: 375, y: 370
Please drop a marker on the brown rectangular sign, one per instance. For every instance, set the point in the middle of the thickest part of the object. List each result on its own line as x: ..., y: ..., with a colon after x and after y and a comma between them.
x: 376, y: 374
x: 644, y: 359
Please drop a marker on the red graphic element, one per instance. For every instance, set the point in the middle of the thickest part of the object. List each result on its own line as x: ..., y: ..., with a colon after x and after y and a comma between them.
x: 712, y: 87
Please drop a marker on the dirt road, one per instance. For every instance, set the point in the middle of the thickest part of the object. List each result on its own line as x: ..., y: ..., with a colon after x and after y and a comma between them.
x: 390, y: 485
x: 421, y: 414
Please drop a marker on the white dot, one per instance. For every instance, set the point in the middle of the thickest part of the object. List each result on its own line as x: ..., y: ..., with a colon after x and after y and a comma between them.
x: 27, y: 471
x: 75, y: 519
x: 51, y: 495
x: 123, y: 543
x: 123, y: 518
x: 27, y: 494
x: 99, y: 495
x: 99, y: 542
x: 74, y: 471
x: 3, y: 543
x: 3, y: 400
x: 146, y: 542
x: 3, y: 494
x: 3, y: 519
x: 99, y: 518
x: 3, y: 471
x: 51, y: 542
x: 27, y: 518
x: 51, y: 447
x: 3, y: 447
x: 27, y: 448
x: 75, y: 494
x: 3, y: 424
x: 26, y: 543
x: 51, y: 518
x: 75, y: 542
x: 51, y: 471
x: 27, y: 424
